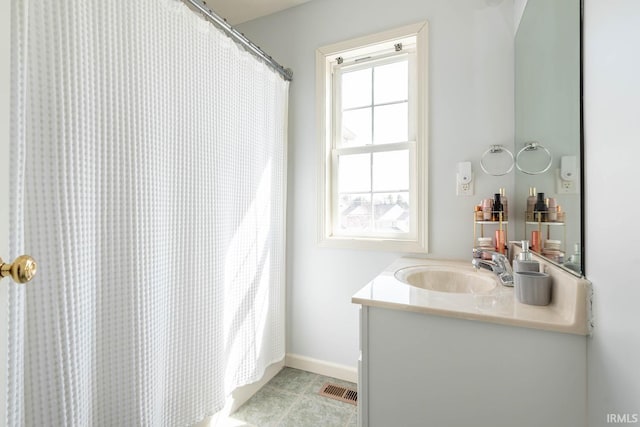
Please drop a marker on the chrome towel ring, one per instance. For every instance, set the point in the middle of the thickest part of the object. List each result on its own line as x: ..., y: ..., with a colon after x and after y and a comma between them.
x: 497, y: 149
x: 533, y: 146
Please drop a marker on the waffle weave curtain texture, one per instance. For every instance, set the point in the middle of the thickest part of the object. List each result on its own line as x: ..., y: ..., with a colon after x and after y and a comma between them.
x: 148, y: 180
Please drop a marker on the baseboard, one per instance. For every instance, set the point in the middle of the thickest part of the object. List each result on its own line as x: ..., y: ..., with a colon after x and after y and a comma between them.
x: 321, y: 367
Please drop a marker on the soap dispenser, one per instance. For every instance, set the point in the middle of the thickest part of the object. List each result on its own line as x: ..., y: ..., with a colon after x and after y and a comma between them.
x: 575, y: 263
x: 524, y: 261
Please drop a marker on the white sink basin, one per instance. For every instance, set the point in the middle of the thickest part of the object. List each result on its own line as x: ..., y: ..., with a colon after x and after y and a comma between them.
x: 446, y: 279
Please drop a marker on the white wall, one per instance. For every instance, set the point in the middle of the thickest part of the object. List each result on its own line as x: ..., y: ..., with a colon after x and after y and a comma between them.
x: 471, y: 107
x: 518, y: 10
x: 612, y: 153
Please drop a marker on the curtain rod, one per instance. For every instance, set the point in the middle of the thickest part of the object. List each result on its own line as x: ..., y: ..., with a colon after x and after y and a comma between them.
x: 240, y: 38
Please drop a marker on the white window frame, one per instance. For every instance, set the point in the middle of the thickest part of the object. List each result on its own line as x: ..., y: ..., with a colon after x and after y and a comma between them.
x: 417, y: 240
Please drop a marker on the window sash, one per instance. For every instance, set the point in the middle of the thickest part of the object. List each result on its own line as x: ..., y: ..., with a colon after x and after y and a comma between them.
x: 410, y: 145
x: 335, y: 206
x: 407, y: 54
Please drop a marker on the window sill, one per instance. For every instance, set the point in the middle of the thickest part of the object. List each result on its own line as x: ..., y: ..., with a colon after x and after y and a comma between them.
x: 380, y: 244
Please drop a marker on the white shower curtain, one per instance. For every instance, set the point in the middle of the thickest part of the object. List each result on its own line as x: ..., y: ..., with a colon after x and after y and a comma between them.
x: 148, y: 182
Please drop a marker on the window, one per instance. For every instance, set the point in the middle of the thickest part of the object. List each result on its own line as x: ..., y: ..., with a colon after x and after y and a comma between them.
x: 372, y: 130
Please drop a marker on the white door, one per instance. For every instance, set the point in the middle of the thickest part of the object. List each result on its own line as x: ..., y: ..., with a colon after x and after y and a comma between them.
x: 5, y: 97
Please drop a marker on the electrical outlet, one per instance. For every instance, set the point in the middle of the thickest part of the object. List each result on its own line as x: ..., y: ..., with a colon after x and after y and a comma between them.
x: 463, y: 189
x: 566, y: 187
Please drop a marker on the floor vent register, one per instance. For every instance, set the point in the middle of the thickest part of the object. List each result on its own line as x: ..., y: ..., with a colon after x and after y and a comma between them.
x: 337, y: 392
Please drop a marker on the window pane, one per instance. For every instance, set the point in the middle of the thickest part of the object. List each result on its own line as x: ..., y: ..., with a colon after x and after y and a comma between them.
x: 391, y: 82
x: 391, y: 171
x: 391, y: 123
x: 391, y: 212
x: 356, y: 127
x: 354, y: 173
x: 355, y: 212
x: 356, y: 89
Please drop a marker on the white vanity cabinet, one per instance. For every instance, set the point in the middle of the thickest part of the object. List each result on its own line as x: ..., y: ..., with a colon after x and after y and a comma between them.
x: 430, y: 360
x: 427, y: 370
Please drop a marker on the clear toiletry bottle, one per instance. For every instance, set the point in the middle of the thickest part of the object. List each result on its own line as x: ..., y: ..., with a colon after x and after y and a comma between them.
x: 505, y: 204
x: 487, y: 208
x: 553, y: 209
x: 531, y: 203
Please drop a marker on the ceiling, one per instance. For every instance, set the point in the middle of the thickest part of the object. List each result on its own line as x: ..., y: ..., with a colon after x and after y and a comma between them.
x: 239, y: 11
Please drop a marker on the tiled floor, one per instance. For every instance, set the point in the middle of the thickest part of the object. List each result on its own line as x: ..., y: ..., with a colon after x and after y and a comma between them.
x: 291, y: 399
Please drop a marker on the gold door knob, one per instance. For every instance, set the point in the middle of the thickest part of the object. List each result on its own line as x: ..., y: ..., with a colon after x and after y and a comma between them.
x: 21, y: 270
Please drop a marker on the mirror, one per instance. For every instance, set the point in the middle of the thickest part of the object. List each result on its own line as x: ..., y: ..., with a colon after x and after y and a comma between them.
x: 548, y: 112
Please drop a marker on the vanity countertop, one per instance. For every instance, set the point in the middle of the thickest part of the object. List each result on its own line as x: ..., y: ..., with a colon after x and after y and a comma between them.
x: 567, y: 313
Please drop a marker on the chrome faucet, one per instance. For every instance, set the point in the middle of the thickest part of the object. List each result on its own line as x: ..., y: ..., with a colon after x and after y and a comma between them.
x: 499, y: 264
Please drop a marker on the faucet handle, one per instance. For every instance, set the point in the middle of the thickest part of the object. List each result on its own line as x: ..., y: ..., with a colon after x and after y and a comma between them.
x: 498, y: 257
x: 477, y: 252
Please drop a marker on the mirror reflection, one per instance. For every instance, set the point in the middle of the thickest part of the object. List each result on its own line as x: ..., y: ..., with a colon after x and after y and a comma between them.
x: 547, y: 205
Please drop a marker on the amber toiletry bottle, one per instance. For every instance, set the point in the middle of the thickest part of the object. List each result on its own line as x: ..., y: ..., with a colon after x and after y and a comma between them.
x: 535, y: 241
x: 500, y: 241
x: 560, y: 215
x: 479, y: 215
